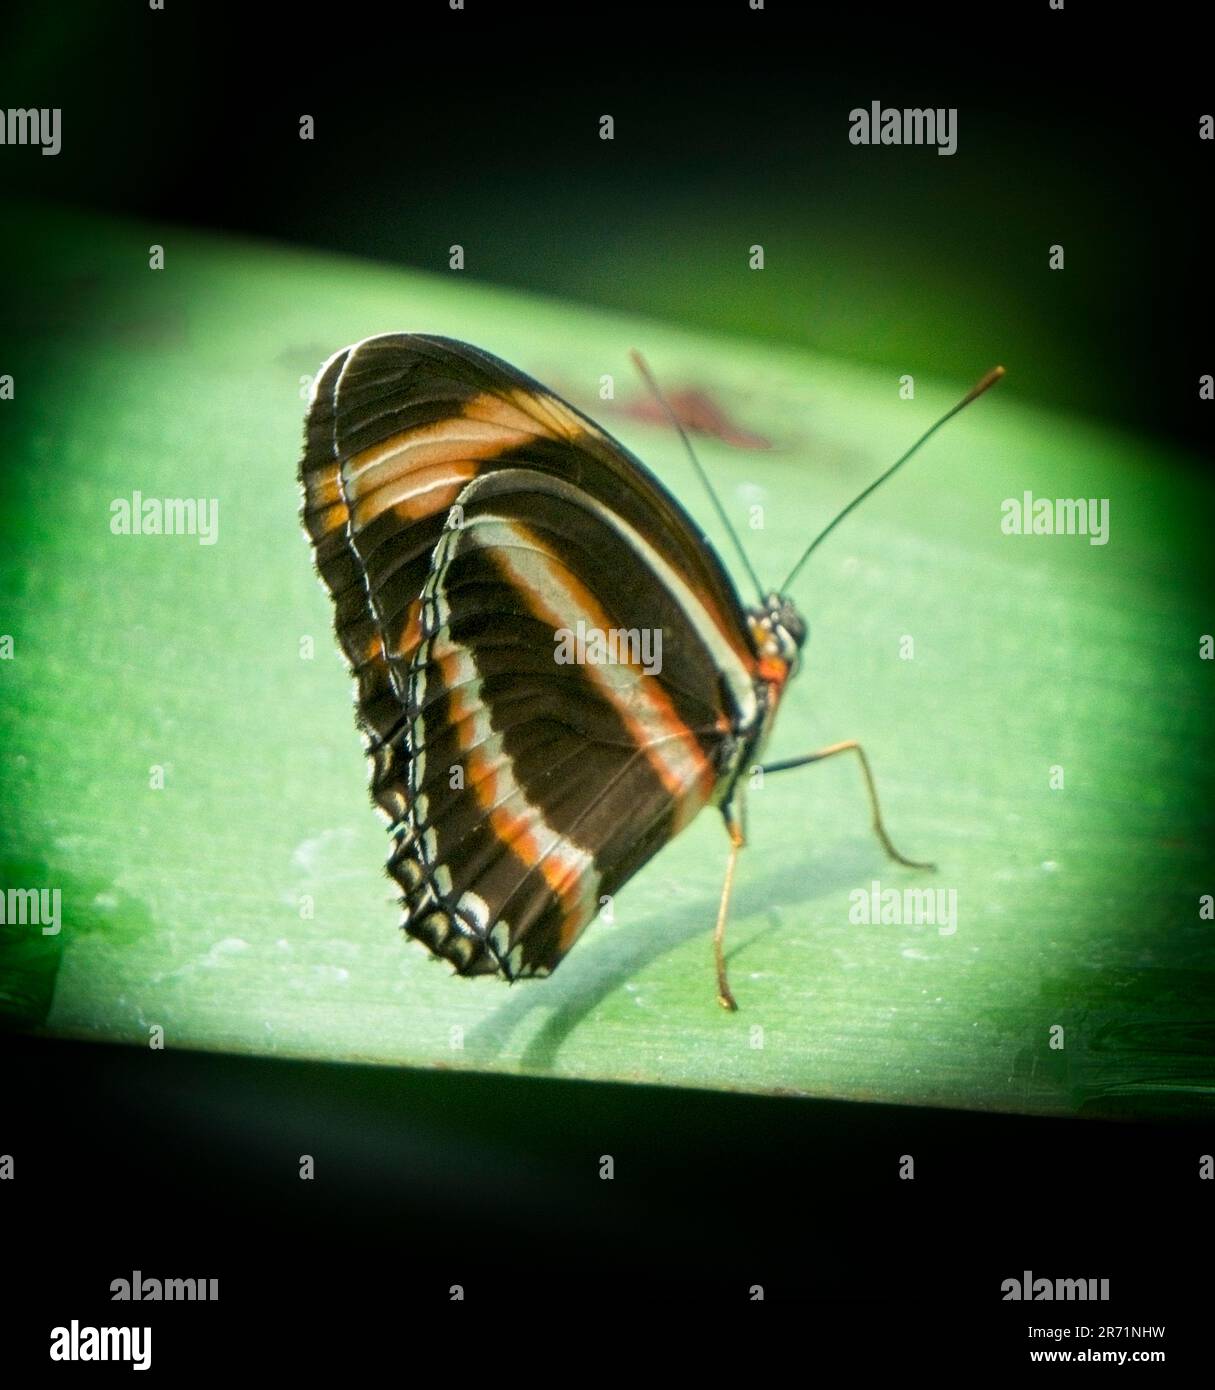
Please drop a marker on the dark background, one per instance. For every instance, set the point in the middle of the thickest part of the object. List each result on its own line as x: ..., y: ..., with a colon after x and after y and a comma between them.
x: 1075, y: 127
x: 187, y: 1165
x: 731, y: 127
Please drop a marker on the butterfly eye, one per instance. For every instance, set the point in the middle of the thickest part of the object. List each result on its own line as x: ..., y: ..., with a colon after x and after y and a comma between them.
x: 793, y: 625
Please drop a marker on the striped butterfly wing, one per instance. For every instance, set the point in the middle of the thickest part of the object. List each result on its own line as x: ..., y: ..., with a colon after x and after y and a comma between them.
x: 464, y: 519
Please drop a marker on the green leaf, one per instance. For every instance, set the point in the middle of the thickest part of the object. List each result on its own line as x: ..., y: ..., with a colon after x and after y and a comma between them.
x: 187, y: 907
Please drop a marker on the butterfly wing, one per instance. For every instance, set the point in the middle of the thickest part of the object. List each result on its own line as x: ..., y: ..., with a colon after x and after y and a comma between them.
x: 463, y: 519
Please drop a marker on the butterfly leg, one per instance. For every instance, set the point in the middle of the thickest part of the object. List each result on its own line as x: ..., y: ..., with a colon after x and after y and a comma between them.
x: 879, y: 828
x: 735, y: 831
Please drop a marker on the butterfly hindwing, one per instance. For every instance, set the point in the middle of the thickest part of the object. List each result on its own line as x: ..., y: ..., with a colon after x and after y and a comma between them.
x: 533, y: 781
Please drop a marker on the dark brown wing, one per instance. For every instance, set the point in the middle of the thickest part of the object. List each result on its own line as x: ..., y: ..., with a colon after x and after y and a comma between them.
x: 463, y: 518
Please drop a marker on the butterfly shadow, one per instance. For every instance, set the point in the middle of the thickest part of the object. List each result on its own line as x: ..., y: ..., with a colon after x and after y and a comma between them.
x: 600, y: 967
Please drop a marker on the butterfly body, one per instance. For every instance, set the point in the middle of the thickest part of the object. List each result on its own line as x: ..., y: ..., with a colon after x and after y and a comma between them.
x: 778, y: 634
x: 462, y: 518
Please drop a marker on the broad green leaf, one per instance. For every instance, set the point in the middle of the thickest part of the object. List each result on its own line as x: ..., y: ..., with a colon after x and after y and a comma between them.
x: 244, y: 906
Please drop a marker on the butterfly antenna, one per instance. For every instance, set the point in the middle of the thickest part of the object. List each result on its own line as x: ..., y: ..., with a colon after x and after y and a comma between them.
x: 973, y: 394
x: 647, y: 376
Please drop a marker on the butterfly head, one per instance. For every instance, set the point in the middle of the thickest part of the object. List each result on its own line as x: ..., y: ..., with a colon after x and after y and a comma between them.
x: 780, y: 632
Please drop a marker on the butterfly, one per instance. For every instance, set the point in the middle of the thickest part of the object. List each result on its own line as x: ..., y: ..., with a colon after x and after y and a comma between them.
x: 554, y: 671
